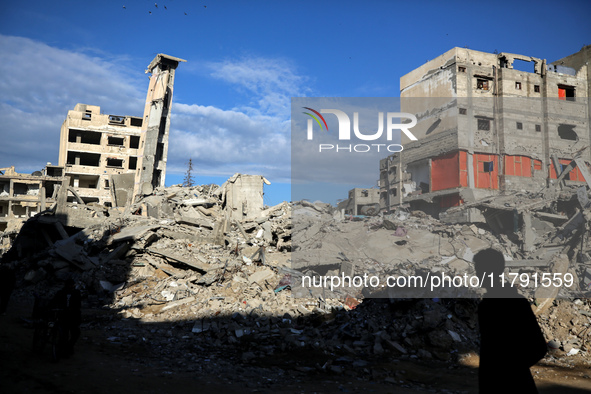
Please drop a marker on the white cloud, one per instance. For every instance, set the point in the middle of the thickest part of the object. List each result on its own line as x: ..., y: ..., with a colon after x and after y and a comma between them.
x: 41, y: 83
x: 222, y: 142
x: 252, y: 138
x: 272, y: 82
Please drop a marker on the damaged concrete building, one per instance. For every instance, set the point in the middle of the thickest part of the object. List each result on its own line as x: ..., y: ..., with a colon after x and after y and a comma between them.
x: 361, y: 202
x: 96, y: 147
x: 486, y: 127
x: 243, y: 196
x: 23, y: 196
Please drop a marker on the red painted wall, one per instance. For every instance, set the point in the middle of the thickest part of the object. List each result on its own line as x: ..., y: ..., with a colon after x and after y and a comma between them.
x: 445, y: 172
x: 518, y: 165
x: 485, y: 180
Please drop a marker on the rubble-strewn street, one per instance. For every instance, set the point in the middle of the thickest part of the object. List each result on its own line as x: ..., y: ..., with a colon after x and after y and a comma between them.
x: 175, y: 286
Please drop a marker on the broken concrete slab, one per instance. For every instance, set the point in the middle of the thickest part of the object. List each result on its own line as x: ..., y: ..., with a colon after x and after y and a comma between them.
x: 191, y: 262
x: 122, y: 186
x: 73, y: 253
x: 175, y: 304
x: 197, y: 222
x: 545, y: 296
x: 261, y: 276
x: 132, y: 233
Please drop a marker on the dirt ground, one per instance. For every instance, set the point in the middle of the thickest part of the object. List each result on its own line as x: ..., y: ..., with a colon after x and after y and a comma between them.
x: 102, y: 364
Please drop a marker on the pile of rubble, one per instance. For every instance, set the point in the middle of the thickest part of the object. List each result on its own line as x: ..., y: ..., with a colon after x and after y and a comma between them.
x: 177, y: 260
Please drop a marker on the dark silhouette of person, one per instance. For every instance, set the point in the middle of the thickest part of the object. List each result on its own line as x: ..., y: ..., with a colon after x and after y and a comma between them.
x: 69, y: 301
x: 511, y: 340
x: 7, y: 282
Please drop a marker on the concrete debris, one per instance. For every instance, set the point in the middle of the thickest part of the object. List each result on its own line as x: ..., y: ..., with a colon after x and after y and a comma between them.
x: 178, y: 255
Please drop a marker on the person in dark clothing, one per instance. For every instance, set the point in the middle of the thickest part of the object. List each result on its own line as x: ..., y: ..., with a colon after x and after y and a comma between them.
x: 69, y: 300
x: 7, y: 282
x: 511, y: 340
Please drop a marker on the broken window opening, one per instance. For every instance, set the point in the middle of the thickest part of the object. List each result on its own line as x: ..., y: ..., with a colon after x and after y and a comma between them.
x: 482, y: 84
x: 538, y: 127
x: 106, y: 183
x: 115, y: 141
x: 19, y: 211
x: 159, y: 152
x: 461, y: 69
x: 132, y: 162
x: 83, y: 159
x: 50, y: 187
x: 25, y: 189
x: 55, y: 171
x: 562, y: 167
x: 113, y: 162
x: 567, y: 132
x: 84, y: 181
x: 566, y: 92
x: 488, y: 166
x: 89, y: 200
x: 87, y: 115
x: 518, y: 85
x: 134, y: 142
x: 4, y: 189
x: 166, y: 100
x: 136, y: 122
x: 519, y: 126
x: 537, y: 88
x: 84, y: 137
x: 116, y: 120
x: 463, y: 111
x: 364, y: 193
x: 484, y: 124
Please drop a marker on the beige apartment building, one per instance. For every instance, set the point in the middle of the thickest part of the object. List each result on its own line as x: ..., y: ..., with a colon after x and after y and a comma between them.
x: 486, y: 127
x: 95, y: 146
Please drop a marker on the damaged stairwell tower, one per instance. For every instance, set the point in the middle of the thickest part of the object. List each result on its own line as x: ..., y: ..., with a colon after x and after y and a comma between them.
x: 156, y: 124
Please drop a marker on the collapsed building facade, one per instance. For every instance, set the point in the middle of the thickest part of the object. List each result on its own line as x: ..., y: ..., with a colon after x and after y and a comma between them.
x: 485, y: 127
x: 22, y: 196
x: 361, y: 202
x: 95, y: 147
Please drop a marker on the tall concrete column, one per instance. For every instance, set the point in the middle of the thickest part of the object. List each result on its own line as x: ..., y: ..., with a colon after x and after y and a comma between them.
x: 156, y: 123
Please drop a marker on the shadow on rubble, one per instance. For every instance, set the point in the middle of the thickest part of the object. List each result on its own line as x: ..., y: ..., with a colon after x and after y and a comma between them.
x: 154, y: 290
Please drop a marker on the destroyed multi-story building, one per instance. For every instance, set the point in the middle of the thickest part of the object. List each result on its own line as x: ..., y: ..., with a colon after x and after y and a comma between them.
x: 361, y: 202
x: 96, y: 147
x: 486, y: 127
x: 23, y: 196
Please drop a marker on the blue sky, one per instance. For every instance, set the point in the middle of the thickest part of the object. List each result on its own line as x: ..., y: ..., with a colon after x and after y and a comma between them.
x: 246, y: 60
